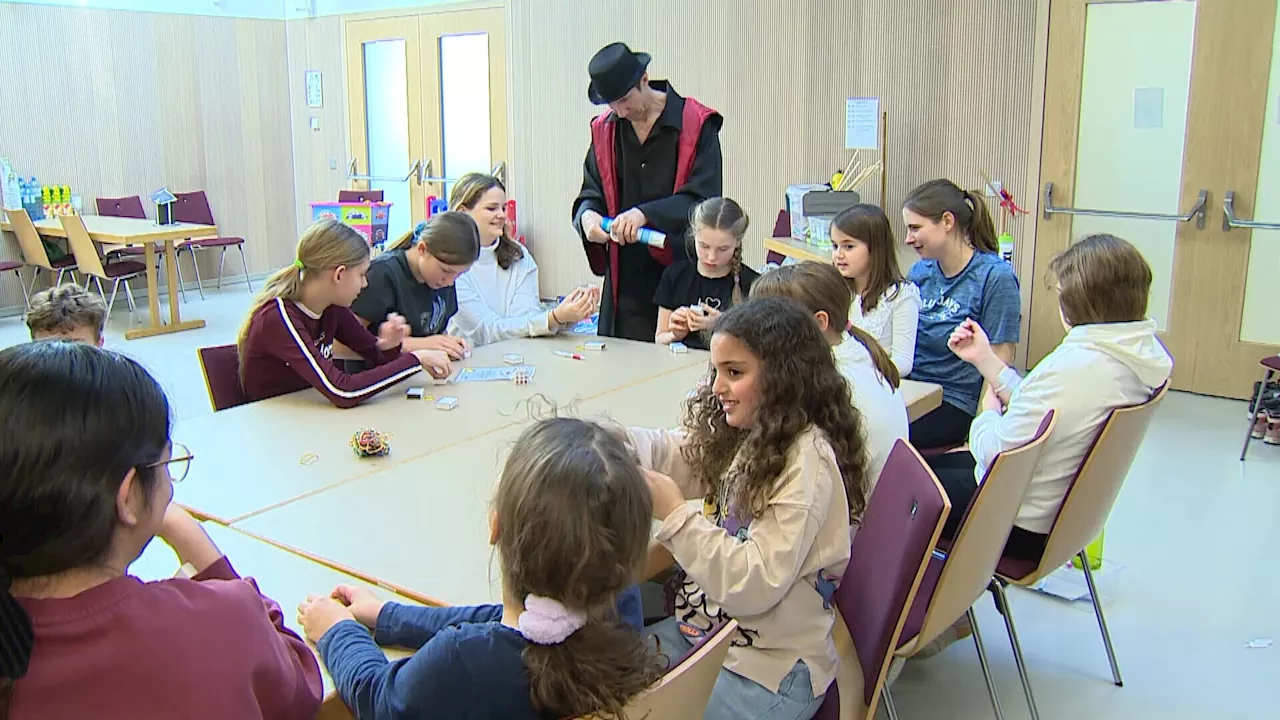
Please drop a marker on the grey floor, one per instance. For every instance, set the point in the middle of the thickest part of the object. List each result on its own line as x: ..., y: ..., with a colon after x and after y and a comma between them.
x: 1194, y: 531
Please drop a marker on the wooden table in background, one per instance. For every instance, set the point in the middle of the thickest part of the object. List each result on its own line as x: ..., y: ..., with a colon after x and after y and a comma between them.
x: 107, y: 230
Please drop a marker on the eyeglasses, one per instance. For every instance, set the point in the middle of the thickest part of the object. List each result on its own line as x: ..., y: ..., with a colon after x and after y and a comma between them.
x: 179, y: 462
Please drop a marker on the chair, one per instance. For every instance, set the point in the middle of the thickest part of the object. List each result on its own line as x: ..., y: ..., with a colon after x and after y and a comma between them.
x: 360, y: 196
x: 956, y: 578
x: 685, y: 689
x: 1269, y: 365
x: 131, y: 207
x: 1083, y: 513
x: 16, y: 267
x: 221, y: 367
x: 33, y: 252
x: 86, y: 255
x: 193, y: 207
x: 899, y: 531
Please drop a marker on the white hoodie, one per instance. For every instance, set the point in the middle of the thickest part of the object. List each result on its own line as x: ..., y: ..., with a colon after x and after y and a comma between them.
x: 496, y: 304
x: 1096, y: 368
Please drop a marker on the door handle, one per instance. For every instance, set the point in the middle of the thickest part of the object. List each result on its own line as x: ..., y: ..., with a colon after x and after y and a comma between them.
x: 415, y: 171
x: 1229, y: 219
x: 1197, y: 212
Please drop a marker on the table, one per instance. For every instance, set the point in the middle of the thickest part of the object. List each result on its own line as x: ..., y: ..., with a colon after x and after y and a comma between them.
x: 426, y: 523
x: 248, y: 458
x: 282, y: 576
x: 108, y: 230
x: 796, y: 249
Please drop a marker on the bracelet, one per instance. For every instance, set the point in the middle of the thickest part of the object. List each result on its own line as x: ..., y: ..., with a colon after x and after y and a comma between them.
x: 554, y: 319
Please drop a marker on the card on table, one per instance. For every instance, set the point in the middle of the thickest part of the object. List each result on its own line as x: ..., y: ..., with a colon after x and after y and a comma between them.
x: 489, y: 374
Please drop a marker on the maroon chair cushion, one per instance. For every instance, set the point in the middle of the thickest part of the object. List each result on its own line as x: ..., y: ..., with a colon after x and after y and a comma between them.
x: 201, y: 243
x: 7, y: 265
x: 221, y: 365
x: 1016, y: 568
x: 360, y: 196
x: 129, y: 207
x: 193, y: 207
x: 915, y: 619
x: 895, y: 537
x: 123, y: 268
x: 1272, y: 362
x: 66, y: 262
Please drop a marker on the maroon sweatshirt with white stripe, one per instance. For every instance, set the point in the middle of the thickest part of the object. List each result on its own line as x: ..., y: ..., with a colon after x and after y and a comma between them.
x: 289, y: 348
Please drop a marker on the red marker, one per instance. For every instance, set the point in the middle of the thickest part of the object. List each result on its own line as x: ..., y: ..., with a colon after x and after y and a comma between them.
x: 566, y: 353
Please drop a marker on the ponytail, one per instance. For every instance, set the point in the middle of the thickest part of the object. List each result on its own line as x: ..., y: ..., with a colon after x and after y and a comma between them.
x: 982, y: 231
x: 879, y: 358
x: 597, y: 669
x: 19, y: 638
x: 736, y: 269
x: 936, y: 197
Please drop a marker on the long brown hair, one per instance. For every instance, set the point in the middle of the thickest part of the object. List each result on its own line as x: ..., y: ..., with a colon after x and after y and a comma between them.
x: 936, y: 197
x: 870, y: 226
x: 721, y: 213
x: 573, y: 515
x: 324, y: 246
x: 451, y: 237
x: 821, y: 288
x: 800, y: 387
x: 466, y: 194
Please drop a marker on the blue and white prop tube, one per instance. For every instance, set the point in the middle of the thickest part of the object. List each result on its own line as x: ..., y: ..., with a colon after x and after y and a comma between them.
x: 647, y: 236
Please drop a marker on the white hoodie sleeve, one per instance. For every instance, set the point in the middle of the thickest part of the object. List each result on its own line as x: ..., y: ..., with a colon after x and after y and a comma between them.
x: 905, y: 320
x: 481, y: 319
x: 993, y: 433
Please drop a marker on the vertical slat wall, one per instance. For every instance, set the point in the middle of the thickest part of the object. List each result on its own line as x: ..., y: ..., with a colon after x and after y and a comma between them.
x: 316, y: 44
x: 121, y: 103
x: 956, y: 77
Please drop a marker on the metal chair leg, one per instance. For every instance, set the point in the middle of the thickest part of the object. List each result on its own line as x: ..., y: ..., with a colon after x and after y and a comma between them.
x: 31, y: 288
x: 128, y: 296
x: 888, y: 703
x: 110, y: 303
x: 1102, y: 620
x: 1002, y: 603
x: 986, y: 668
x: 61, y: 272
x: 245, y: 263
x: 195, y: 263
x: 26, y: 298
x: 1257, y: 408
x: 221, y: 259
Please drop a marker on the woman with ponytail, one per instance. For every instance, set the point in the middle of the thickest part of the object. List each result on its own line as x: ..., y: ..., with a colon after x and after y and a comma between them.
x: 571, y: 523
x: 872, y: 374
x: 286, y: 343
x: 961, y: 277
x: 691, y: 295
x: 86, y: 478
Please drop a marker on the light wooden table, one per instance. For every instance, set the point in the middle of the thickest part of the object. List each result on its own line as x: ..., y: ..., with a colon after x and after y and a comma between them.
x: 283, y: 576
x: 796, y: 249
x: 248, y: 459
x: 107, y: 230
x: 424, y: 524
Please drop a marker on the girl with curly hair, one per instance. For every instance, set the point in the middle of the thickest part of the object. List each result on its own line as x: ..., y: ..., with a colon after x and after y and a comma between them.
x: 773, y: 445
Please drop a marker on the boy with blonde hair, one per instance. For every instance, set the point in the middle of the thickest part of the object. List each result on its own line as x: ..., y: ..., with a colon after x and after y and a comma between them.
x: 68, y: 312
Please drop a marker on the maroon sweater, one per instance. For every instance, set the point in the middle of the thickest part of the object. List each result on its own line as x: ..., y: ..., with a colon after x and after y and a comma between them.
x: 289, y: 348
x: 209, y: 647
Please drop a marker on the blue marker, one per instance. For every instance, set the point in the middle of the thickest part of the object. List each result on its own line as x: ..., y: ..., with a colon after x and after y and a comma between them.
x: 647, y: 236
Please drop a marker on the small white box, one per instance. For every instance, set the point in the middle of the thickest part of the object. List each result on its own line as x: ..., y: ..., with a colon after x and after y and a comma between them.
x: 593, y: 345
x: 513, y: 359
x: 679, y: 348
x: 447, y: 403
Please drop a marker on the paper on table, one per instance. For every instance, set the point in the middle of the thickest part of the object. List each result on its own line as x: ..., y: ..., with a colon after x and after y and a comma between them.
x: 487, y: 374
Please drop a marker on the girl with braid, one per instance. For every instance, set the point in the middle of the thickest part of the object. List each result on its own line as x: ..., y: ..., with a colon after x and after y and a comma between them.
x: 691, y: 295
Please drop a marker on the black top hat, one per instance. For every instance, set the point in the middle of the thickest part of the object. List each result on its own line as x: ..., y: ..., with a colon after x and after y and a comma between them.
x: 614, y: 71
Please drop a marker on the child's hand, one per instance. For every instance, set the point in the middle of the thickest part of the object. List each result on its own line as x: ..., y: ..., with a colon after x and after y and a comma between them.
x: 991, y: 401
x: 317, y: 614
x: 435, y: 362
x: 667, y: 497
x: 363, y: 604
x: 455, y: 347
x: 391, y: 334
x: 704, y: 320
x: 678, y: 323
x: 969, y: 342
x: 576, y: 306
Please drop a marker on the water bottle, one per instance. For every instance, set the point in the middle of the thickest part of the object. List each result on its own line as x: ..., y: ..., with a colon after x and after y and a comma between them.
x: 647, y: 236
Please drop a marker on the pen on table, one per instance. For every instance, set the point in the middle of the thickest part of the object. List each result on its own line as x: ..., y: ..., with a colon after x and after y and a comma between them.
x: 566, y: 353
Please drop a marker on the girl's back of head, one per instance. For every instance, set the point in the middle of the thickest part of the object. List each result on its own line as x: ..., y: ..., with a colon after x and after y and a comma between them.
x: 869, y: 225
x: 798, y: 385
x: 74, y: 420
x: 572, y: 514
x: 722, y: 215
x: 821, y: 289
x: 936, y: 198
x: 450, y: 237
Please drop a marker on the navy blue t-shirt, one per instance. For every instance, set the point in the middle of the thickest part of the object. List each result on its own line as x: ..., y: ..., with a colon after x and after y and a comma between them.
x: 986, y: 290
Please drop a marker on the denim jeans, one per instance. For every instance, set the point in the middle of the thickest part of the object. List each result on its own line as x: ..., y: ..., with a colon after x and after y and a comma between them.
x: 737, y: 698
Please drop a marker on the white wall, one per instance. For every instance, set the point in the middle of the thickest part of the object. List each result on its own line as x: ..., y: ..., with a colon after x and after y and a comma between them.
x: 262, y: 9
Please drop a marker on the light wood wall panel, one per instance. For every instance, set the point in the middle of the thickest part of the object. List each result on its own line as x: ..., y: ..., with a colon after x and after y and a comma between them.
x: 956, y: 77
x: 316, y: 44
x: 136, y: 101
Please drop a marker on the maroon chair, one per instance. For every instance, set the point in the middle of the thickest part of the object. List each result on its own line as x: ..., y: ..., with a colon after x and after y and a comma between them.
x: 221, y: 367
x: 892, y: 547
x: 16, y: 267
x: 131, y: 207
x: 193, y: 207
x: 360, y: 196
x: 1270, y: 365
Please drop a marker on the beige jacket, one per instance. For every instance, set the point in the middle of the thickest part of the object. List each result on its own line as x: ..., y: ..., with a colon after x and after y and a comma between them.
x: 766, y: 575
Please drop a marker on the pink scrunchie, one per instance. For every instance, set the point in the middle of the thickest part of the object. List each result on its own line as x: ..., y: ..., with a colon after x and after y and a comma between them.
x: 548, y: 622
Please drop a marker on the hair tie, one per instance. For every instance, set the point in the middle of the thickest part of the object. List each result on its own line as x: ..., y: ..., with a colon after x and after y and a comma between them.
x: 418, y: 230
x: 548, y: 622
x: 298, y: 264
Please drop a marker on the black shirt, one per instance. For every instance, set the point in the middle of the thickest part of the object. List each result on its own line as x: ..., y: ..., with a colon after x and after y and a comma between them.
x: 646, y: 180
x: 393, y: 288
x: 681, y: 286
